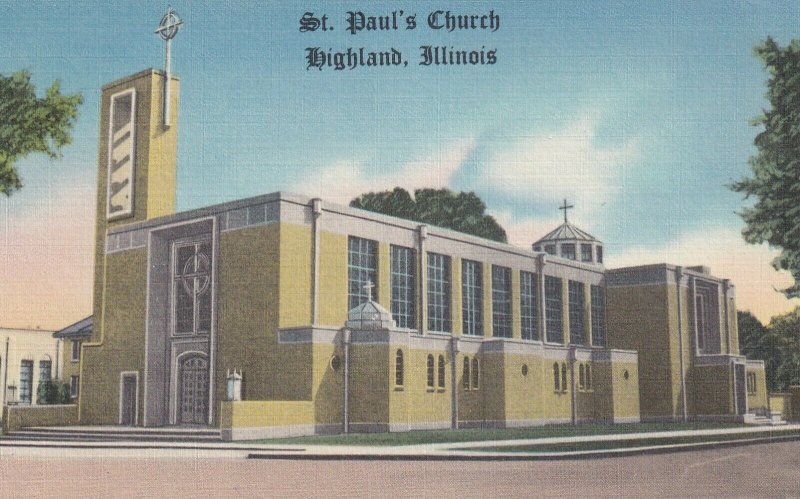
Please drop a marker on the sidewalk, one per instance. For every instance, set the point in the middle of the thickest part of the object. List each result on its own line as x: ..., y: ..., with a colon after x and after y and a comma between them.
x: 479, y: 450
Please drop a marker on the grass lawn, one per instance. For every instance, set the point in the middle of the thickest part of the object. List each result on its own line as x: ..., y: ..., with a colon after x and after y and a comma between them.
x: 639, y: 442
x: 483, y: 434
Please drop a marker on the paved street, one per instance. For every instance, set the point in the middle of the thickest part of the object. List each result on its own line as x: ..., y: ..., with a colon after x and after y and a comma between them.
x: 756, y: 470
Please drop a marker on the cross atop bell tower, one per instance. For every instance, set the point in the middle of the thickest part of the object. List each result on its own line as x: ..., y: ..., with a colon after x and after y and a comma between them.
x: 565, y: 207
x: 167, y: 29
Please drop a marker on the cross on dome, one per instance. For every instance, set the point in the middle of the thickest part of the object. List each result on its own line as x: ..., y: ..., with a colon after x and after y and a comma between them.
x: 565, y: 207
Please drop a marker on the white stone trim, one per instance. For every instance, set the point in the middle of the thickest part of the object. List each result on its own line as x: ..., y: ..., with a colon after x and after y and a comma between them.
x: 263, y: 432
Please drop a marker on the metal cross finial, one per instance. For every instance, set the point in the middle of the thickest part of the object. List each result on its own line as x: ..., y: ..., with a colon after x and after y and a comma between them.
x: 368, y: 288
x: 167, y: 29
x: 565, y: 207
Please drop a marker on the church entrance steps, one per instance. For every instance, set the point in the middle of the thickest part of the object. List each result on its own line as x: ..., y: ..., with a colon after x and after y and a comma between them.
x: 116, y: 433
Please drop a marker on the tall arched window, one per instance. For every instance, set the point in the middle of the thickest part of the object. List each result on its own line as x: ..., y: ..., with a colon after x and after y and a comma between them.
x: 581, y: 377
x: 556, y: 377
x: 430, y: 371
x: 563, y: 377
x: 398, y: 368
x: 476, y: 373
x: 465, y: 375
x: 441, y: 371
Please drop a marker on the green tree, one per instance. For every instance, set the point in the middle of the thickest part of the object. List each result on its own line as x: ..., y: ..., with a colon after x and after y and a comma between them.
x: 29, y: 124
x: 785, y: 342
x: 775, y: 185
x: 461, y: 211
x: 756, y: 341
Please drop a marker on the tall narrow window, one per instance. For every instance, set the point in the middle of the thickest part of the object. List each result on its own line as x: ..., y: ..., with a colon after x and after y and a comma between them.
x: 465, y: 374
x: 553, y: 309
x: 74, y: 384
x: 399, y: 368
x: 563, y: 377
x: 472, y: 297
x: 25, y: 381
x: 576, y: 302
x: 588, y: 376
x: 404, y: 291
x: 598, y: 316
x: 501, y: 301
x: 581, y: 377
x: 76, y: 350
x: 438, y: 292
x: 441, y: 372
x: 362, y: 269
x: 599, y: 254
x: 528, y: 308
x: 430, y: 371
x: 45, y: 371
x: 191, y: 286
x: 476, y: 373
x: 121, y: 155
x: 556, y: 377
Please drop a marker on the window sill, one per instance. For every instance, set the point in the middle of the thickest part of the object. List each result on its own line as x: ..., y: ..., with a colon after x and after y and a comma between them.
x: 430, y: 390
x: 441, y: 390
x: 399, y: 388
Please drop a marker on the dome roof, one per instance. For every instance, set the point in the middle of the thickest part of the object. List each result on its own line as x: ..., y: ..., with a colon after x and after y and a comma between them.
x: 566, y: 231
x: 369, y: 315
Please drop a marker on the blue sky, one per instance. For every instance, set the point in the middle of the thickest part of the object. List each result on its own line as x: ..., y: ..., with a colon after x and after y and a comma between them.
x: 638, y: 112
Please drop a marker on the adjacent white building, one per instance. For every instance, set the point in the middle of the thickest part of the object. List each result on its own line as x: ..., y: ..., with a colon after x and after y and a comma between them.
x: 27, y: 358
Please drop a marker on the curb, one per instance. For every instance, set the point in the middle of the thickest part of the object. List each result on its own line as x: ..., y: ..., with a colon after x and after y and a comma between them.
x: 531, y: 456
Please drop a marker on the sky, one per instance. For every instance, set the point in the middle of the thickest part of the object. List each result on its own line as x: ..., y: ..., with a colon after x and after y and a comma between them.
x: 636, y: 112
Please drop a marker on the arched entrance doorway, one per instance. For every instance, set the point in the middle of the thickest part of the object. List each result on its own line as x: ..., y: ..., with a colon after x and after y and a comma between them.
x: 193, y: 390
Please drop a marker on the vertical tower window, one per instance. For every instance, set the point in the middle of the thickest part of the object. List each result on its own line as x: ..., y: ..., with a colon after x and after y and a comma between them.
x: 576, y: 302
x: 362, y: 269
x: 404, y: 279
x: 528, y: 310
x: 121, y: 155
x: 472, y: 297
x: 399, y: 368
x: 441, y: 372
x: 501, y: 301
x: 438, y: 292
x: 553, y: 309
x: 430, y: 371
x: 598, y: 316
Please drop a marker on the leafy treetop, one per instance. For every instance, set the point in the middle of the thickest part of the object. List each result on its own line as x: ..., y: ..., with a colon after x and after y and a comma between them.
x: 461, y: 211
x: 29, y: 124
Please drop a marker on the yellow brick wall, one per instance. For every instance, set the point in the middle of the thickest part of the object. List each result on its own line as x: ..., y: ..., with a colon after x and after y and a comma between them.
x: 332, y: 279
x: 759, y: 399
x: 123, y: 326
x: 710, y: 390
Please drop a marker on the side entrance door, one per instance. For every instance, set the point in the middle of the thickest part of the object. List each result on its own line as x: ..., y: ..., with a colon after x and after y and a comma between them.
x: 193, y: 397
x: 128, y: 400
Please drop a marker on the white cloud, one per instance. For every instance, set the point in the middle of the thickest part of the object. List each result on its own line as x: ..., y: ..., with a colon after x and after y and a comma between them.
x: 569, y: 163
x: 345, y: 180
x: 728, y: 256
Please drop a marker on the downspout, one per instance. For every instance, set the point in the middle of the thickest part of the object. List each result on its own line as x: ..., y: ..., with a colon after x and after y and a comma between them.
x: 453, y: 383
x: 346, y: 402
x: 573, y: 395
x: 5, y: 374
x: 678, y: 278
x: 423, y: 298
x: 316, y: 212
x: 540, y: 305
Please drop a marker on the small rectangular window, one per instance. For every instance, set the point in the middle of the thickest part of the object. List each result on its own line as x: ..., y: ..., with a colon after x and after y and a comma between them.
x: 550, y: 249
x: 568, y: 251
x: 599, y: 254
x: 586, y: 252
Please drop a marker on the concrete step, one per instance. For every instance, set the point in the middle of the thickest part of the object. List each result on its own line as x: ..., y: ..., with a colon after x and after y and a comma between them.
x: 108, y: 434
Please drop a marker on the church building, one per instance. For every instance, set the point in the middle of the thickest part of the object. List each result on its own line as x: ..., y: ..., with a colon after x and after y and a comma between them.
x: 285, y: 315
